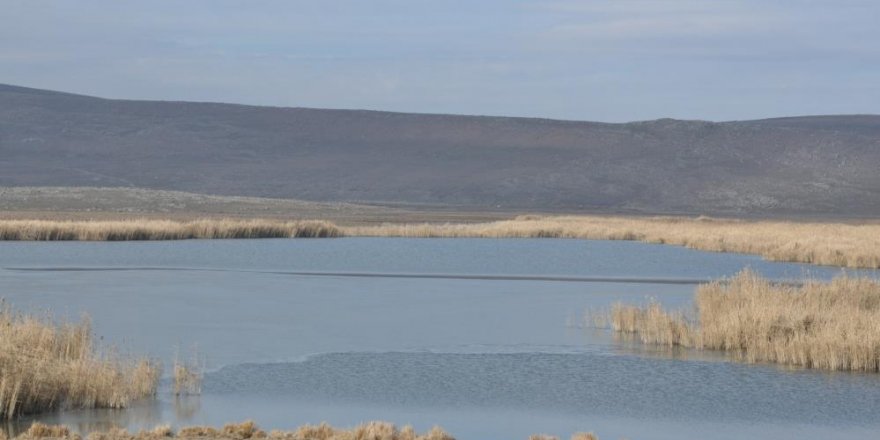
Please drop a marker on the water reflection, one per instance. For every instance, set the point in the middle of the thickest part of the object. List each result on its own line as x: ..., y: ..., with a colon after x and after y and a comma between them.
x: 186, y: 407
x: 144, y: 414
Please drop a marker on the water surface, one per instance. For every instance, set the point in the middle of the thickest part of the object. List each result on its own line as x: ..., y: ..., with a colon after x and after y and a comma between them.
x: 480, y: 336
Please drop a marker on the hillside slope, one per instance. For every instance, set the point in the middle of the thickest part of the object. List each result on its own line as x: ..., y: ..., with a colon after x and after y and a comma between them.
x: 822, y: 165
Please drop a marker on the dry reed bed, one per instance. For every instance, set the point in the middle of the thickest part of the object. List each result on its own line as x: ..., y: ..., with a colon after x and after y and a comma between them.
x: 46, y: 366
x: 249, y: 430
x: 827, y: 325
x: 834, y: 244
x: 162, y: 229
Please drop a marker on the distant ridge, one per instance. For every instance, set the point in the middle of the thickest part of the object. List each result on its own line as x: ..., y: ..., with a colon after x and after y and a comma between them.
x: 798, y: 166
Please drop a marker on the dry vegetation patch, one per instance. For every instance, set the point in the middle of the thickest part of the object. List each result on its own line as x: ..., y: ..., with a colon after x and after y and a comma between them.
x: 834, y: 244
x: 46, y: 366
x: 249, y: 430
x: 186, y: 377
x: 162, y: 229
x: 828, y: 325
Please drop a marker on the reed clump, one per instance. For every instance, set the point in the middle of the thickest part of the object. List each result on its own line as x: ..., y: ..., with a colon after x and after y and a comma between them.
x: 187, y: 378
x: 367, y: 431
x: 41, y: 430
x: 46, y: 366
x: 249, y: 430
x: 575, y: 436
x: 826, y: 325
x: 834, y: 244
x: 163, y: 229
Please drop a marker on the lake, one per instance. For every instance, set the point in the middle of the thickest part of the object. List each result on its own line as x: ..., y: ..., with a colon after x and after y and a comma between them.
x: 481, y: 336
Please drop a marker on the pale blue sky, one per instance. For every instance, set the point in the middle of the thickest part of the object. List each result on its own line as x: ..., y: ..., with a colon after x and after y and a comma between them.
x: 609, y: 60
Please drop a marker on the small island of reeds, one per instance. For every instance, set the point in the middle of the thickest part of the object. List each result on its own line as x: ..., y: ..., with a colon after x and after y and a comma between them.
x: 825, y: 325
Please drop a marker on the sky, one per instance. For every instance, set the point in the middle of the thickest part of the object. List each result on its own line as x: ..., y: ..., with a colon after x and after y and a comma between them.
x: 604, y: 60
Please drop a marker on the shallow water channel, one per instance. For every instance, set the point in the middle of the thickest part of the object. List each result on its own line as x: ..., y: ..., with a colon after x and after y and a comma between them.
x: 480, y: 336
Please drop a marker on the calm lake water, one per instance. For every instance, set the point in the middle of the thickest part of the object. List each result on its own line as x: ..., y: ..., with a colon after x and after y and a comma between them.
x: 479, y: 336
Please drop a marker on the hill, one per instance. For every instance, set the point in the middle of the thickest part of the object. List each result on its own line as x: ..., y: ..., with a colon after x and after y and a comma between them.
x: 811, y: 166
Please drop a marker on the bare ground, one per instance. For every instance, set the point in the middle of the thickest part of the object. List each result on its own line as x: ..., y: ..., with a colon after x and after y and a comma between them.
x: 87, y: 203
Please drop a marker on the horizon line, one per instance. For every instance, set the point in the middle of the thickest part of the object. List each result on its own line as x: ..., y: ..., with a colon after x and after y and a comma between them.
x: 466, y: 115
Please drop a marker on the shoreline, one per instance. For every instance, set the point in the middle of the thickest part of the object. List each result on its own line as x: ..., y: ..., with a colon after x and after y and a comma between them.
x: 849, y: 245
x: 374, y: 430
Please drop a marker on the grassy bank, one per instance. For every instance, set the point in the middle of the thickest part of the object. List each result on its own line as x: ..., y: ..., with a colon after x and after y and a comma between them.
x: 162, y: 229
x: 827, y: 325
x: 248, y: 430
x: 833, y: 244
x: 46, y: 366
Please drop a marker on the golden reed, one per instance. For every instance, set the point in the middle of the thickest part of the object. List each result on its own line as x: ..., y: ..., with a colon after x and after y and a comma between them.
x: 248, y: 430
x: 827, y: 325
x: 95, y: 230
x: 833, y: 244
x: 46, y: 366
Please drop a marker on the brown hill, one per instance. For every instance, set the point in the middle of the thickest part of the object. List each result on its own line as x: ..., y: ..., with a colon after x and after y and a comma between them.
x: 819, y: 165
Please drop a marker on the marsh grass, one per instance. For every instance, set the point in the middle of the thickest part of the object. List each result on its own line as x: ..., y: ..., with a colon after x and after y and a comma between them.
x: 187, y: 381
x: 186, y: 377
x: 163, y: 229
x: 834, y: 244
x: 575, y: 436
x: 827, y: 325
x: 249, y: 430
x: 46, y: 366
